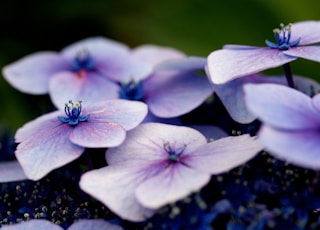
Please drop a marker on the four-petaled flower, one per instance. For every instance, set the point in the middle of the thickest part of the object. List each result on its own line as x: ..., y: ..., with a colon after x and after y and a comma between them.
x: 53, y: 140
x: 234, y: 61
x: 158, y: 164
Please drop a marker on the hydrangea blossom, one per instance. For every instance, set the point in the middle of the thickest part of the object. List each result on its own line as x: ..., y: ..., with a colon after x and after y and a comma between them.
x: 158, y: 164
x: 55, y: 139
x: 292, y: 42
x: 291, y: 122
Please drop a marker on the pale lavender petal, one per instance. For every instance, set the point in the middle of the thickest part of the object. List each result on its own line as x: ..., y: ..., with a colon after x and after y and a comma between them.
x: 224, y: 154
x: 183, y: 64
x: 93, y: 224
x: 210, y: 132
x: 97, y: 134
x: 89, y: 88
x: 228, y: 64
x: 114, y: 186
x: 32, y: 73
x: 307, y: 52
x: 281, y: 106
x: 307, y: 31
x: 147, y: 142
x: 46, y: 150
x: 11, y: 171
x: 171, y: 94
x: 172, y: 184
x: 126, y: 113
x: 32, y: 225
x: 152, y: 118
x: 300, y: 148
x: 316, y: 101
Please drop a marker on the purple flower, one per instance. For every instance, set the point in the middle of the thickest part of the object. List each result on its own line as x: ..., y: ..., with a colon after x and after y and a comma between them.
x: 81, y: 70
x: 56, y: 139
x: 158, y: 164
x: 11, y: 171
x: 291, y: 122
x: 291, y: 43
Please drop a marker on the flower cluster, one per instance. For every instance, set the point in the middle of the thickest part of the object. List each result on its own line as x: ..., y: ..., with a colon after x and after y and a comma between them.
x: 163, y: 140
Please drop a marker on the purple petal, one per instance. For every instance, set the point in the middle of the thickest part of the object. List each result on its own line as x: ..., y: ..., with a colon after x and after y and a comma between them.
x: 152, y: 118
x: 316, y: 102
x: 147, y: 142
x: 89, y: 88
x: 224, y: 154
x: 93, y: 224
x: 47, y: 149
x: 171, y: 184
x: 281, y: 106
x: 32, y: 225
x: 239, y: 47
x: 126, y: 113
x: 300, y: 148
x: 171, y: 94
x: 307, y: 31
x: 182, y: 64
x: 307, y: 52
x: 32, y: 73
x: 114, y: 186
x: 97, y: 135
x: 228, y: 64
x: 11, y: 171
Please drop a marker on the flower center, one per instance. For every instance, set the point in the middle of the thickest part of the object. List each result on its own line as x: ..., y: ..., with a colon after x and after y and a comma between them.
x: 82, y: 61
x: 73, y: 111
x: 174, y: 153
x: 282, y: 37
x: 131, y: 90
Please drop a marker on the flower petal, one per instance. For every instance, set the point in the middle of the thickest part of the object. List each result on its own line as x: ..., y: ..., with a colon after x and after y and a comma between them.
x: 147, y: 142
x: 281, y: 106
x: 46, y: 150
x: 224, y: 154
x: 171, y: 94
x: 300, y: 148
x: 89, y: 88
x: 126, y: 113
x: 94, y: 224
x: 97, y: 135
x: 32, y: 73
x: 307, y: 52
x: 228, y: 64
x: 32, y: 224
x: 306, y: 30
x: 11, y: 171
x: 114, y: 186
x: 182, y: 64
x: 171, y: 184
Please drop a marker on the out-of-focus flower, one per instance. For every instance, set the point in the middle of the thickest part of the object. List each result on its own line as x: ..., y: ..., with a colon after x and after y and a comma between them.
x: 234, y: 61
x: 158, y: 164
x: 56, y: 139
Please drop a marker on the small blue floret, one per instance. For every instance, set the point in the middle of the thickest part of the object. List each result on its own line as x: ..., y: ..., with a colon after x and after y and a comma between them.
x: 131, y: 91
x: 83, y: 61
x: 73, y: 111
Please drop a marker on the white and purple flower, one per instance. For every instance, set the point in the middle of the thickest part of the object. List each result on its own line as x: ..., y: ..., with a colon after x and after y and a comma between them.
x: 56, y: 139
x: 158, y: 164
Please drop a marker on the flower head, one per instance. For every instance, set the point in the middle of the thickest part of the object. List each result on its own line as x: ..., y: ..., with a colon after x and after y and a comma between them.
x: 234, y: 61
x: 53, y: 140
x: 158, y: 164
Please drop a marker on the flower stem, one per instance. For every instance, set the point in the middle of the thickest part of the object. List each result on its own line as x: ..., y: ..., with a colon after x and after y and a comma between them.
x: 288, y: 73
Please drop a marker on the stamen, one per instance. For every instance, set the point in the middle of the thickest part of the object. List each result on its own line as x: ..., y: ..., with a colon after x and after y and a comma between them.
x: 73, y: 111
x: 174, y: 154
x: 83, y: 61
x: 132, y: 90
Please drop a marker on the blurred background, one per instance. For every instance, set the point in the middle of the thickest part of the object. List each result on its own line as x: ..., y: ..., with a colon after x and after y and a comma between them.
x: 195, y: 27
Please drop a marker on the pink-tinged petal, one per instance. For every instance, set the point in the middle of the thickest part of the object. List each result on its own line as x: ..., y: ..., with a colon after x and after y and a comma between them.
x: 32, y: 225
x: 307, y: 52
x: 228, y: 64
x: 114, y: 186
x: 32, y: 73
x: 172, y: 184
x: 281, y: 106
x: 48, y: 121
x: 47, y: 150
x: 300, y: 148
x: 307, y: 31
x: 316, y: 102
x: 89, y: 88
x: 93, y: 224
x: 182, y: 64
x: 224, y: 154
x: 97, y: 135
x: 126, y: 113
x: 147, y: 142
x: 11, y: 171
x: 171, y: 94
x: 210, y: 132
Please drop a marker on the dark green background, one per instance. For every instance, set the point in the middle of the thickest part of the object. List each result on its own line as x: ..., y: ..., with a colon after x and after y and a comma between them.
x: 196, y: 27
